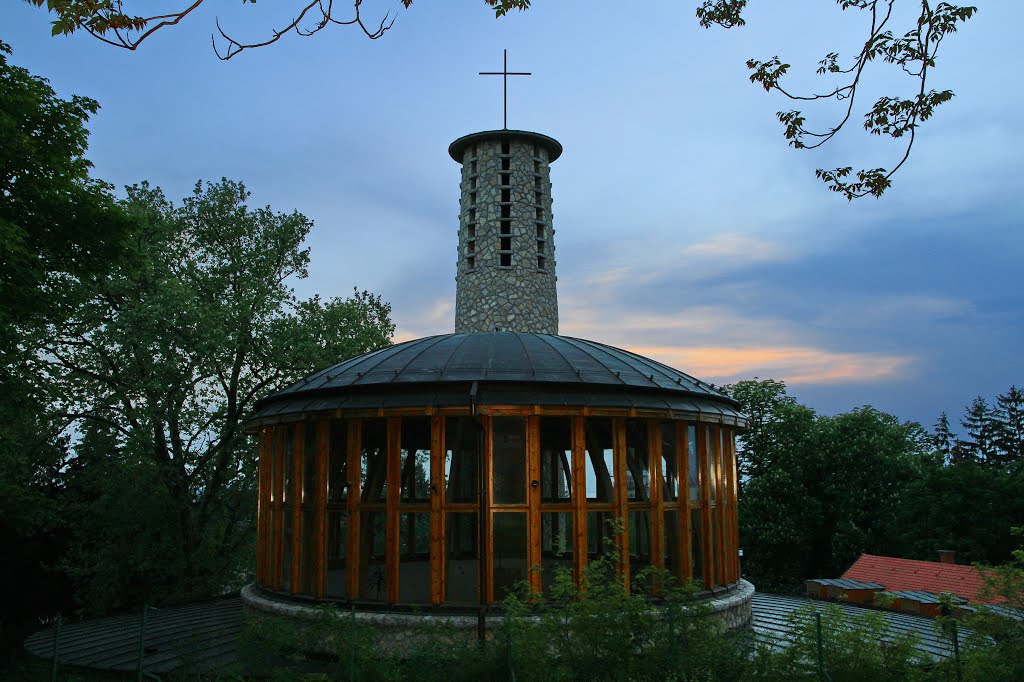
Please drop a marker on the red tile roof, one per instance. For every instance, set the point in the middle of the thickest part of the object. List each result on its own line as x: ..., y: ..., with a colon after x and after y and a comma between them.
x: 910, y: 574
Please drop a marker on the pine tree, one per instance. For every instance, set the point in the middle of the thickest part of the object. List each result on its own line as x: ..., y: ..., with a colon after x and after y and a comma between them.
x: 979, y: 424
x: 1009, y: 426
x: 944, y: 440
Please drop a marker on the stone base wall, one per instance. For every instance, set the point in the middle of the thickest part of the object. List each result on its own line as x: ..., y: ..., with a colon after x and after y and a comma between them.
x: 398, y: 632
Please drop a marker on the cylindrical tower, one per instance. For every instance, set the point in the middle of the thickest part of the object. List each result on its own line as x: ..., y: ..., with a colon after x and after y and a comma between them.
x: 505, y: 278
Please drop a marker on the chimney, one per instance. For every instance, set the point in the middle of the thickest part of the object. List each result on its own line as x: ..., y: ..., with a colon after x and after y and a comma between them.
x: 947, y: 556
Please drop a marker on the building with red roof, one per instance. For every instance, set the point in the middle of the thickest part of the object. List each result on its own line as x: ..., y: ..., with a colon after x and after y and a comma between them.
x: 911, y: 575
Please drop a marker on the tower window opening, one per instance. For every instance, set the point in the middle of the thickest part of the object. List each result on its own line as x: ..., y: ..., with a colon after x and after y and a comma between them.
x: 540, y: 230
x: 472, y: 183
x: 506, y: 195
x: 472, y: 215
x: 506, y: 226
x: 471, y: 246
x: 540, y: 213
x: 506, y: 243
x: 536, y: 166
x: 506, y: 179
x: 472, y: 197
x: 540, y: 262
x: 540, y: 246
x: 536, y: 151
x: 471, y: 231
x: 506, y: 163
x: 536, y: 183
x: 538, y: 198
x: 506, y: 211
x: 504, y: 148
x: 471, y: 262
x: 472, y: 167
x: 505, y: 260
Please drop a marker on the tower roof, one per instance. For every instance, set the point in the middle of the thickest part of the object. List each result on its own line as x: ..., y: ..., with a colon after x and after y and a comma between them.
x: 457, y: 149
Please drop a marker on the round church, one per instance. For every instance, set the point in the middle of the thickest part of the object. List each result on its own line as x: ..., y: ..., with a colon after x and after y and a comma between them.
x: 446, y: 470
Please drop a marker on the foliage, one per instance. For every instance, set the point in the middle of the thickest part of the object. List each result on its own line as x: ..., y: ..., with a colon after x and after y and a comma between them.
x: 819, y: 490
x: 914, y: 53
x: 155, y: 370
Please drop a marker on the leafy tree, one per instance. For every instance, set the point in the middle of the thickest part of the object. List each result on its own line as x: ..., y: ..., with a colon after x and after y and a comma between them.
x: 914, y: 53
x: 158, y: 366
x: 820, y: 490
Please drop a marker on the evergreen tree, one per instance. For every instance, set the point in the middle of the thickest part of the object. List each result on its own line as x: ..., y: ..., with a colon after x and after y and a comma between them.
x: 979, y: 442
x: 1009, y: 426
x: 944, y: 440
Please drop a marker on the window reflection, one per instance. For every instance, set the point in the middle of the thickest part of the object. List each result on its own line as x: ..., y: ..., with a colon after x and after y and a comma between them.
x: 415, y: 460
x: 462, y: 459
x: 374, y: 467
x: 638, y: 473
x: 600, y: 460
x: 555, y: 459
x: 509, y: 464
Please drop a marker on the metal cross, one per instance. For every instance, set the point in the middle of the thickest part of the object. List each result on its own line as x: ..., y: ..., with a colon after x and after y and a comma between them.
x: 505, y: 73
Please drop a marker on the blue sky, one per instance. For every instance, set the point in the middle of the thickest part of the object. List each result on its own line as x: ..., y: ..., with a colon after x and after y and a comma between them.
x: 686, y: 229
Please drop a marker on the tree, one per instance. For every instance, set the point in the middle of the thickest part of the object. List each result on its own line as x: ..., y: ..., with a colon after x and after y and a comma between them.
x: 110, y: 22
x: 944, y: 440
x: 914, y: 53
x: 1008, y: 420
x: 979, y: 425
x: 156, y: 369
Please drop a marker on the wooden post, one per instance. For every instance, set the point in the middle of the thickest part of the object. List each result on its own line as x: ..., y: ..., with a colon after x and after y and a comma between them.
x: 657, y: 493
x: 353, y: 469
x: 486, y: 526
x: 683, y: 454
x: 621, y: 494
x: 705, y: 505
x: 296, y: 520
x: 533, y: 550
x: 437, y: 493
x: 261, y: 509
x: 391, y: 515
x: 322, y: 475
x: 579, y: 496
x: 278, y: 440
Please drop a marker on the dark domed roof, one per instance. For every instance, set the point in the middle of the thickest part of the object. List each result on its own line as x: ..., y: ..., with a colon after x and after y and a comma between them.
x: 507, y: 368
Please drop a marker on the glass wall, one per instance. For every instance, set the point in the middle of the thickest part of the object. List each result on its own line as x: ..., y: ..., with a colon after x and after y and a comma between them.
x: 457, y: 509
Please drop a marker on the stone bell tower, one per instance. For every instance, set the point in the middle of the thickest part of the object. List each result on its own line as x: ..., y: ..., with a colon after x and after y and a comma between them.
x: 505, y: 278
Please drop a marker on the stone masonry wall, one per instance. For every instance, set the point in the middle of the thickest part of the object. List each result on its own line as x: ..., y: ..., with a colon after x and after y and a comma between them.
x: 505, y: 278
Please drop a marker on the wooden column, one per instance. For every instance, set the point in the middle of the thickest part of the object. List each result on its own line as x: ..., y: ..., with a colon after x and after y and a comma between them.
x: 278, y: 448
x: 705, y: 506
x: 353, y: 467
x: 261, y: 509
x: 486, y: 544
x: 394, y: 475
x: 579, y: 496
x: 533, y: 553
x: 437, y: 493
x: 683, y: 454
x: 296, y: 520
x: 657, y: 493
x: 322, y: 454
x: 621, y: 494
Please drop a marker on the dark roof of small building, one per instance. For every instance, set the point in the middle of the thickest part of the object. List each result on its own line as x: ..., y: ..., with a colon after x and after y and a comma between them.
x: 507, y: 368
x: 911, y: 575
x: 846, y: 584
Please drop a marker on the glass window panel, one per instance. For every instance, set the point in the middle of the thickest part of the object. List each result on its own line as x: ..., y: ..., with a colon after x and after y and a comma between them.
x: 601, y: 536
x: 307, y: 553
x: 462, y: 459
x: 600, y: 460
x: 669, y: 463
x: 639, y: 546
x: 415, y: 460
x: 337, y: 462
x: 709, y: 454
x: 309, y: 463
x: 337, y: 550
x: 374, y: 469
x: 509, y: 551
x: 638, y: 461
x: 372, y: 549
x: 696, y: 545
x: 556, y: 546
x: 462, y: 554
x: 672, y: 543
x: 509, y: 463
x: 555, y: 459
x: 414, y: 558
x: 694, y: 464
